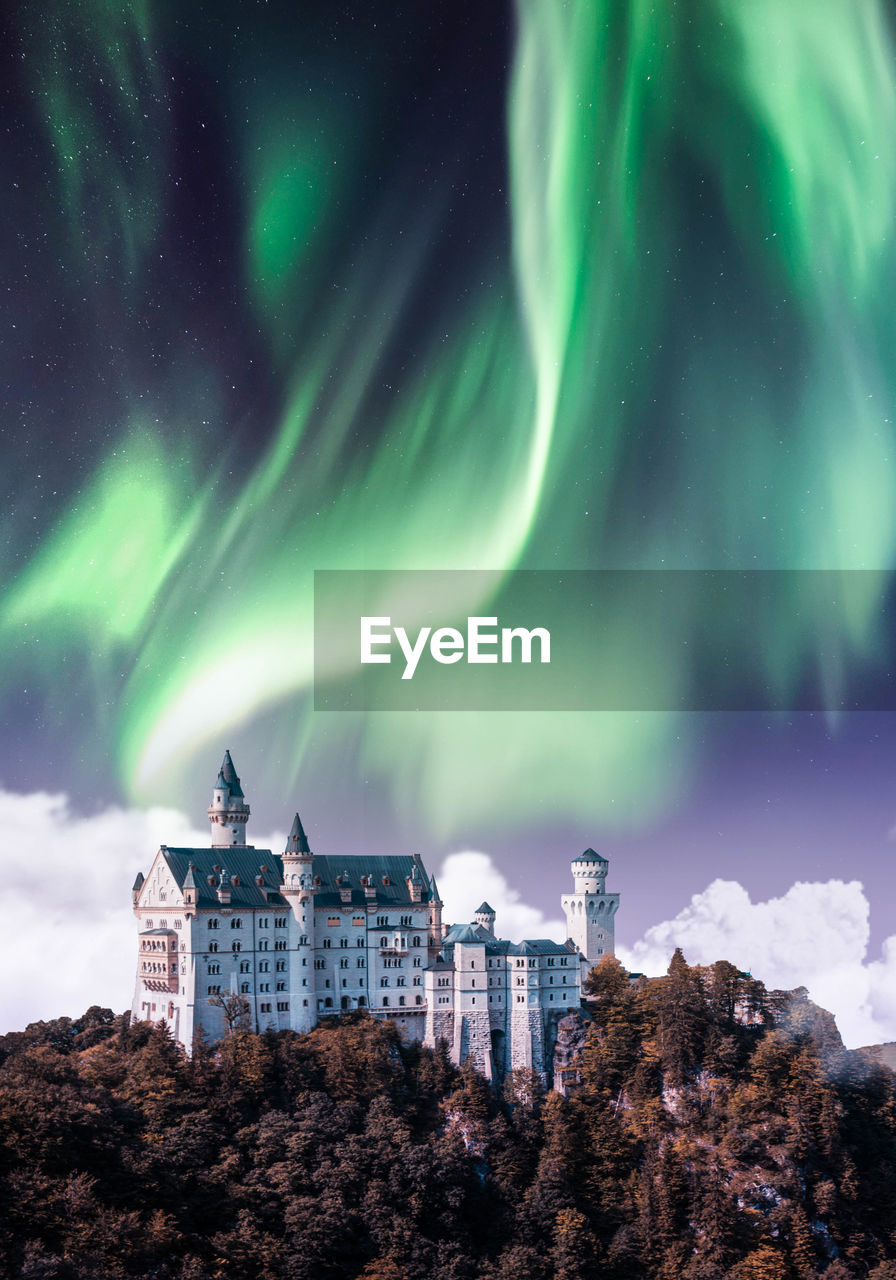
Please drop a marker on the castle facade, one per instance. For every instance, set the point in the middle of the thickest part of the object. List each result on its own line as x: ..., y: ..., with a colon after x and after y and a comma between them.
x: 234, y: 935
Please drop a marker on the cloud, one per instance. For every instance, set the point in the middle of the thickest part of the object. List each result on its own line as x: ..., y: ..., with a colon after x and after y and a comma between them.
x: 469, y: 878
x: 67, y: 933
x: 816, y: 936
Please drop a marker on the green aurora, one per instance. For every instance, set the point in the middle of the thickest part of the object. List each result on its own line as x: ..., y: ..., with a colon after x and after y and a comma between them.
x: 672, y: 351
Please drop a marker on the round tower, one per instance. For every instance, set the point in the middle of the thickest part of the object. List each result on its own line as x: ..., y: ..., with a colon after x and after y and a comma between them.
x: 589, y: 909
x: 228, y: 812
x: 485, y: 918
x: 297, y: 887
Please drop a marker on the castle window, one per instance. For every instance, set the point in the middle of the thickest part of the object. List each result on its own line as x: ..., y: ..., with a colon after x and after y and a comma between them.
x: 213, y: 922
x: 214, y: 968
x: 384, y: 982
x: 265, y: 1007
x: 419, y: 1000
x: 343, y: 964
x: 280, y: 945
x: 244, y: 987
x: 357, y: 920
x: 473, y: 982
x: 281, y: 986
x: 384, y: 942
x: 149, y: 926
x: 264, y: 922
x: 320, y: 963
x: 343, y: 942
x: 282, y: 1006
x: 264, y: 986
x: 401, y: 999
x: 236, y: 946
x: 178, y: 923
x: 326, y: 943
x: 305, y: 1003
x: 385, y: 1002
x: 303, y: 941
x: 280, y: 966
x: 214, y: 990
x: 280, y: 922
x: 263, y: 966
x: 263, y: 944
x: 362, y: 1002
x: 406, y: 920
x: 360, y: 942
x: 416, y: 940
x: 328, y: 1003
x: 360, y: 962
x: 334, y: 922
x: 473, y: 999
x: 236, y: 923
x: 245, y: 967
x: 418, y: 982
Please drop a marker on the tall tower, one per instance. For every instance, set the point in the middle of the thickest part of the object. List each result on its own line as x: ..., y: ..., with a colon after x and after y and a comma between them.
x: 298, y: 890
x: 589, y: 909
x: 228, y: 812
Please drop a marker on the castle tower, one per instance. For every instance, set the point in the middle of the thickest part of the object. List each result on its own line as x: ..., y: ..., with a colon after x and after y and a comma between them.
x: 298, y: 890
x: 485, y: 917
x: 589, y: 909
x: 228, y: 812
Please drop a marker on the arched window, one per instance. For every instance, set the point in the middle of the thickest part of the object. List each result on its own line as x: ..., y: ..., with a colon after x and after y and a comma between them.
x: 244, y: 987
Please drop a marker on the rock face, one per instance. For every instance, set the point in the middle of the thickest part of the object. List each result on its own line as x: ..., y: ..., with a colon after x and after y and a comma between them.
x: 884, y: 1053
x: 571, y: 1031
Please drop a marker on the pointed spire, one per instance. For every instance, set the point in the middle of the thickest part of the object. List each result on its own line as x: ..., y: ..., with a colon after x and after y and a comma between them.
x: 229, y: 775
x: 138, y: 883
x: 297, y: 841
x: 434, y: 889
x: 189, y: 882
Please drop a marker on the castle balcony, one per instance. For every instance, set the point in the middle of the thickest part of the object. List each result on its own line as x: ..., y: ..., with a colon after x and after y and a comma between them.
x: 396, y: 944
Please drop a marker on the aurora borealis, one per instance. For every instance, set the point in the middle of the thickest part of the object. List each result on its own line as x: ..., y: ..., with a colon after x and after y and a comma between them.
x: 548, y: 286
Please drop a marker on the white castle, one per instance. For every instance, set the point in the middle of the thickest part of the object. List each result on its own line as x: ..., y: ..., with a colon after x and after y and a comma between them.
x: 280, y: 941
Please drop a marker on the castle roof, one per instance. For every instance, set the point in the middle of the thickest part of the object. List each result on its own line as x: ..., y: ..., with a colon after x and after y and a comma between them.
x: 484, y: 910
x: 467, y: 933
x: 243, y: 863
x: 388, y: 875
x: 590, y: 856
x: 297, y: 841
x: 228, y: 777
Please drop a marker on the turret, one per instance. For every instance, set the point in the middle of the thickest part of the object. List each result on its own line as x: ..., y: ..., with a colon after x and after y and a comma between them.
x: 589, y: 909
x: 485, y: 918
x: 297, y: 887
x: 297, y: 860
x: 228, y: 812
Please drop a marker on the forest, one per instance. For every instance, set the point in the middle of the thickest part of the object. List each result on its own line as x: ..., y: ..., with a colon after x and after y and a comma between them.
x: 716, y: 1131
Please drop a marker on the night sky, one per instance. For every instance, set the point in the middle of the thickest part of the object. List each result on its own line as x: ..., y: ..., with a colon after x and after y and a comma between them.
x: 546, y: 286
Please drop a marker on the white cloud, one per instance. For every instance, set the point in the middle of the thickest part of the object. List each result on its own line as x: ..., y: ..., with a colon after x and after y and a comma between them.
x: 816, y: 936
x: 467, y: 879
x: 67, y: 933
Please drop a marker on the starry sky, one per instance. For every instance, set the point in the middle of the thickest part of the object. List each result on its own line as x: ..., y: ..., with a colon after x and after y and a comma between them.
x: 398, y: 286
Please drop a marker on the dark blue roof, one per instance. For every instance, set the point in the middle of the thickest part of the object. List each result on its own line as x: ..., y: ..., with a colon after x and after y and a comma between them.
x: 589, y: 856
x: 484, y: 910
x: 229, y: 775
x: 388, y: 876
x: 297, y: 841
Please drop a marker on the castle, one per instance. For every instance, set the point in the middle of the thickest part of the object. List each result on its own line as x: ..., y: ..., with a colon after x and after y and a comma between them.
x: 234, y: 934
